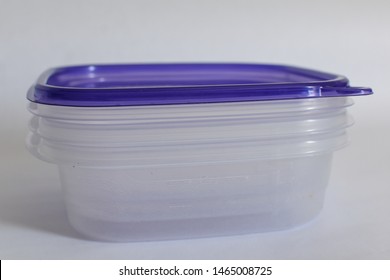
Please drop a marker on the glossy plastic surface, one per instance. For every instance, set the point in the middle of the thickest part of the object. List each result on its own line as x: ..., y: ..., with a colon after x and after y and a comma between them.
x: 165, y: 84
x: 184, y: 171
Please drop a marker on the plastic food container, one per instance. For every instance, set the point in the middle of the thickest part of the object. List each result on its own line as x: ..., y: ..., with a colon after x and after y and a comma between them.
x: 168, y: 151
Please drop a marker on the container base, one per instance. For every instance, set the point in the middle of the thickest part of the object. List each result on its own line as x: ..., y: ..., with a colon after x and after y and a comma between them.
x: 183, y: 229
x: 170, y: 202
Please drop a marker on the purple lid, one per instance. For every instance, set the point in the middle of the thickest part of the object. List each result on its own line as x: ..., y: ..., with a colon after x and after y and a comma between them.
x: 161, y: 84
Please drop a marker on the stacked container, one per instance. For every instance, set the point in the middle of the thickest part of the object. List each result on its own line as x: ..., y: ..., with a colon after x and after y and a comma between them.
x: 166, y: 151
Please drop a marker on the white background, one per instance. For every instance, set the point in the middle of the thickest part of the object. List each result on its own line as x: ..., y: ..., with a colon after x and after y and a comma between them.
x: 345, y: 37
x: 281, y: 269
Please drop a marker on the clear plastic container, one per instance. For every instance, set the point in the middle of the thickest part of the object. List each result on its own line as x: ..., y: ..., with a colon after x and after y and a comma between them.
x: 168, y: 151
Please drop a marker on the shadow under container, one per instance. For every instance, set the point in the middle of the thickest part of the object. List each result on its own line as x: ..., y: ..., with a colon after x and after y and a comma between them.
x: 171, y: 151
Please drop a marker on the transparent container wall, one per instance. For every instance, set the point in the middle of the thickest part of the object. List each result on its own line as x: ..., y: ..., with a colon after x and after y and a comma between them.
x: 195, y: 200
x: 184, y: 171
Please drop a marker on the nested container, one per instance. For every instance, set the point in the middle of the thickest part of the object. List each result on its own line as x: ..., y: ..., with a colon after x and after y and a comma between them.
x: 166, y: 151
